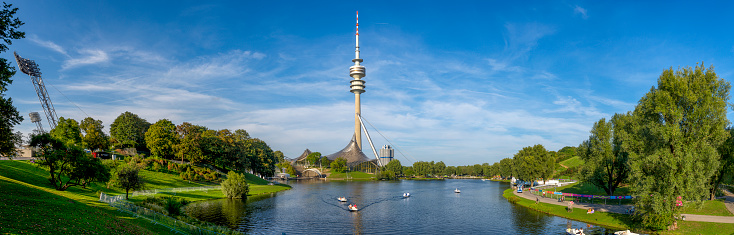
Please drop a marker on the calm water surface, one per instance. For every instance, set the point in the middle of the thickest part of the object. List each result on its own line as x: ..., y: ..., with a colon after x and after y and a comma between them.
x: 433, y: 208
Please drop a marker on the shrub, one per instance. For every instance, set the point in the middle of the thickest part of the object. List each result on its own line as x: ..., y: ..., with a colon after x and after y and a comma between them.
x: 156, y: 166
x: 387, y: 175
x: 173, y: 205
x: 235, y: 186
x: 513, y: 199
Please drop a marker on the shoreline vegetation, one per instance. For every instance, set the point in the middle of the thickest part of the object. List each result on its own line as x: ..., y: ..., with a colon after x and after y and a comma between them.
x: 613, y: 220
x: 31, y: 204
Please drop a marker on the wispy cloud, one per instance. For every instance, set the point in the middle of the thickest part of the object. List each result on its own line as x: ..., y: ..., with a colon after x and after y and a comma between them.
x: 580, y: 10
x: 87, y: 57
x: 523, y: 37
x: 47, y: 44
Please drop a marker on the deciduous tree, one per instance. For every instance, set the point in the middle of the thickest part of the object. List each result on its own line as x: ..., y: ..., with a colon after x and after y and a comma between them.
x: 68, y: 132
x: 68, y: 165
x: 128, y: 178
x: 395, y: 167
x: 726, y: 168
x: 94, y: 137
x: 313, y: 158
x: 161, y: 138
x: 682, y: 123
x: 532, y: 163
x: 339, y: 165
x: 9, y: 115
x: 605, y: 155
x: 506, y: 167
x: 128, y: 130
x: 235, y: 186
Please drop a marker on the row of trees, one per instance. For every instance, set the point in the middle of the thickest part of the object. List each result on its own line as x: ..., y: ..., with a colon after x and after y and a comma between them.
x: 187, y: 142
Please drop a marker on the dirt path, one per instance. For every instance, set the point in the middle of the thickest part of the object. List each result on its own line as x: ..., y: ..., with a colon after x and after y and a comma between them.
x: 562, y: 165
x: 621, y: 209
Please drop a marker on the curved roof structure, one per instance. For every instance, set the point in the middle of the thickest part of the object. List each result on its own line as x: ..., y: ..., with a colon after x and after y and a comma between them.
x: 351, y: 152
x: 303, y: 155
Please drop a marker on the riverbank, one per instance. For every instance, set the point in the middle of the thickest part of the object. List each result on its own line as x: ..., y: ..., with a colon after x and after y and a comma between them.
x: 612, y: 220
x: 213, y: 194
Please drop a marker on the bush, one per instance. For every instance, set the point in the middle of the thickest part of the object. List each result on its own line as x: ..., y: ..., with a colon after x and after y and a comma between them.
x: 513, y: 199
x: 173, y: 205
x: 387, y: 175
x: 235, y: 186
x: 657, y: 221
x: 156, y: 166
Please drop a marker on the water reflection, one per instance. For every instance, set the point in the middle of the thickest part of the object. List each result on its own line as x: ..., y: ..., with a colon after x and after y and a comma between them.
x: 529, y: 221
x: 433, y: 208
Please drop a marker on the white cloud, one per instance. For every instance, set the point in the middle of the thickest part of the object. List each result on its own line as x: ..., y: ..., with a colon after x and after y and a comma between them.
x: 580, y: 10
x: 502, y: 66
x: 47, y: 44
x: 90, y: 56
x: 524, y: 37
x: 570, y: 104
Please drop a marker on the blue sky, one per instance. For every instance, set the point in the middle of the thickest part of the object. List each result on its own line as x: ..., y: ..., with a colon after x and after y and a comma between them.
x: 462, y: 82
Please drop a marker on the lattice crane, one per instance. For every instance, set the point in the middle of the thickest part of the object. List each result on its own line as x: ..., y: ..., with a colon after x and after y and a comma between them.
x: 31, y: 68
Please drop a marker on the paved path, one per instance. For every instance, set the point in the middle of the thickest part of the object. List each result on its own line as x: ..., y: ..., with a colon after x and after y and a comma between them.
x: 621, y: 209
x: 728, y: 200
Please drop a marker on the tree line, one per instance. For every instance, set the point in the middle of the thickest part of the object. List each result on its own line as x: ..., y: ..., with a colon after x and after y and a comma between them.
x: 225, y: 149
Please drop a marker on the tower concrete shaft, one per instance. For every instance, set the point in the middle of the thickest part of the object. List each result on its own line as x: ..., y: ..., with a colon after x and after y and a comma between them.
x: 357, y: 71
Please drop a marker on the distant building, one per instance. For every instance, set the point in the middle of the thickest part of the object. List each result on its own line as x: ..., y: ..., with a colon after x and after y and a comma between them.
x: 387, y: 153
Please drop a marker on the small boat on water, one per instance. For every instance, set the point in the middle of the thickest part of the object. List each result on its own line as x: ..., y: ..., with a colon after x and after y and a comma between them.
x: 342, y: 199
x: 457, y: 190
x: 353, y: 207
x: 626, y: 232
x: 406, y: 194
x: 484, y: 179
x: 572, y: 231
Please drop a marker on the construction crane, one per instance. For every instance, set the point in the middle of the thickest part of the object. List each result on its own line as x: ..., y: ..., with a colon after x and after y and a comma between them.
x: 31, y: 68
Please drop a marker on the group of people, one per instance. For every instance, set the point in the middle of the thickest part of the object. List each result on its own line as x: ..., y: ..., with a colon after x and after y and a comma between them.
x: 590, y: 211
x: 579, y: 231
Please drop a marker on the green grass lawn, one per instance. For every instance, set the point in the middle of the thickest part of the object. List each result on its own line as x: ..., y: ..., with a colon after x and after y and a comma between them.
x: 618, y: 221
x: 193, y: 196
x: 160, y: 180
x: 29, y: 204
x: 573, y: 162
x: 705, y: 228
x: 612, y: 220
x: 587, y: 188
x: 715, y: 207
x: 252, y: 179
x: 354, y: 175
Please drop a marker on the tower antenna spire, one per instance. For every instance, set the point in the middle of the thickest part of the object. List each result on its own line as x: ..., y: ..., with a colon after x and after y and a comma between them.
x: 357, y: 72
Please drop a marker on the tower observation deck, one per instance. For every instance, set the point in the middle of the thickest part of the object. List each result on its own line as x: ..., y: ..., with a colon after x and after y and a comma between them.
x: 357, y: 71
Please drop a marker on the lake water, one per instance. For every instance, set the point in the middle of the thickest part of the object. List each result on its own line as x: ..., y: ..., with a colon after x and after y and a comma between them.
x: 310, y: 207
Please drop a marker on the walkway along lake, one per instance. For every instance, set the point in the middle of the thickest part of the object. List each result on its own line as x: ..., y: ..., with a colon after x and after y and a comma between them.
x: 311, y: 207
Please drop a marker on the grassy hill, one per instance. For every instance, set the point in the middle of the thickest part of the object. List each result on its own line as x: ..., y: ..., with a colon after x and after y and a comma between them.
x: 573, y: 162
x: 29, y: 204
